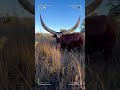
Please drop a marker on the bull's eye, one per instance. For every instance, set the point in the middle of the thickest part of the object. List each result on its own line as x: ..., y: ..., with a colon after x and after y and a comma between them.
x: 58, y: 34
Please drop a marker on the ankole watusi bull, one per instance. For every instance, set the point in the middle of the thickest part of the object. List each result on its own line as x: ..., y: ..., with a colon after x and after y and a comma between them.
x: 100, y: 33
x: 66, y: 39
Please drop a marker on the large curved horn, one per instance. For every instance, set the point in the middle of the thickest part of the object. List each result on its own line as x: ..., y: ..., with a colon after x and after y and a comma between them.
x: 45, y: 27
x: 72, y: 29
x: 28, y: 6
x: 93, y: 6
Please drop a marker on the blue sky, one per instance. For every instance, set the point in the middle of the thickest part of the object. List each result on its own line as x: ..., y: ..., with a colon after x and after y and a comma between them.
x: 59, y: 15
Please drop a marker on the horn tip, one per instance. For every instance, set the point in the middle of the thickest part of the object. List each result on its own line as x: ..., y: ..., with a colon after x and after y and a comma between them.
x: 40, y: 17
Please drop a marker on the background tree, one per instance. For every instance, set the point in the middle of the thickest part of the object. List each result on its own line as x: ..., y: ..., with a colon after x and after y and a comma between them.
x: 82, y: 27
x: 63, y: 30
x: 114, y: 9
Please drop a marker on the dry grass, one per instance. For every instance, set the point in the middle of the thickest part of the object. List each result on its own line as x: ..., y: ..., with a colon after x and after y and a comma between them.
x: 17, y: 61
x: 17, y: 68
x: 70, y: 66
x: 58, y: 68
x: 100, y: 76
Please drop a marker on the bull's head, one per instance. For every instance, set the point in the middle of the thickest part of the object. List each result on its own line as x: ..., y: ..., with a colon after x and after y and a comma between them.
x: 59, y: 35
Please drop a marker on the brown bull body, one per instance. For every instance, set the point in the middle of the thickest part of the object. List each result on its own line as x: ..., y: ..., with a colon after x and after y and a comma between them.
x: 100, y: 35
x: 70, y: 41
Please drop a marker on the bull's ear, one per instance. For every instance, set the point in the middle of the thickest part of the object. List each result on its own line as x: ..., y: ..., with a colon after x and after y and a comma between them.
x: 54, y: 35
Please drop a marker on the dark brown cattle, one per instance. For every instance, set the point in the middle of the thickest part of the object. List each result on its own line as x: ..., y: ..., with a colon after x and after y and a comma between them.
x: 100, y: 35
x: 70, y: 41
x: 66, y: 39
